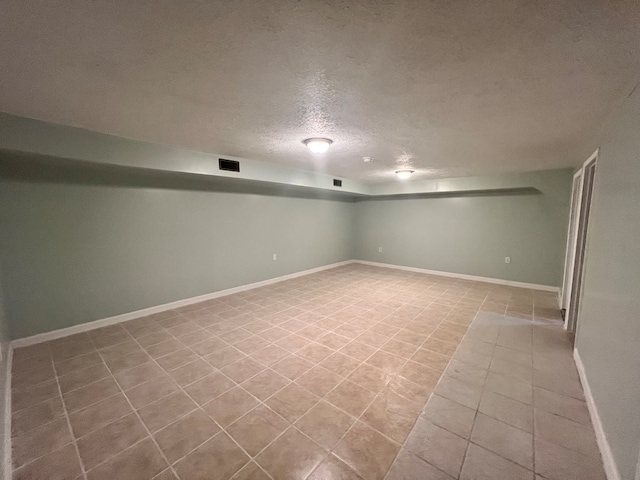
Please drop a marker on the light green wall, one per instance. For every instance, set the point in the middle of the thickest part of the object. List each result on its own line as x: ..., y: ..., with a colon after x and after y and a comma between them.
x: 75, y: 251
x: 26, y: 135
x: 608, y: 336
x: 473, y: 234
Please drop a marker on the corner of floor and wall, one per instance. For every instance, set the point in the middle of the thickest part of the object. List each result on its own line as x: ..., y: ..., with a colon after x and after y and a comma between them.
x: 76, y: 249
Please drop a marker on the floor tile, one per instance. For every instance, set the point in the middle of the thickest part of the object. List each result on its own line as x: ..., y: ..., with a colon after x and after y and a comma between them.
x: 184, y: 435
x: 191, y: 372
x: 269, y: 355
x: 392, y: 415
x: 83, y: 377
x: 507, y: 410
x: 230, y: 406
x: 340, y: 364
x: 431, y: 359
x: 135, y: 376
x: 99, y: 414
x: 332, y: 468
x: 257, y: 429
x: 62, y: 464
x: 150, y: 391
x: 209, y: 387
x: 358, y: 350
x: 106, y: 442
x: 243, y: 369
x: 325, y: 424
x: 450, y: 415
x: 460, y: 392
x: 90, y: 394
x: 319, y: 381
x: 251, y: 471
x: 437, y: 446
x: 32, y: 417
x: 369, y: 377
x: 224, y: 357
x: 350, y: 397
x: 177, y: 359
x: 366, y: 451
x: 481, y: 464
x: 408, y: 466
x: 562, y: 405
x: 142, y: 462
x: 265, y: 384
x: 292, y: 402
x: 40, y: 441
x: 162, y: 412
x: 315, y: 352
x: 507, y: 441
x: 125, y: 362
x: 566, y: 433
x: 416, y: 320
x: 291, y: 457
x: 558, y: 463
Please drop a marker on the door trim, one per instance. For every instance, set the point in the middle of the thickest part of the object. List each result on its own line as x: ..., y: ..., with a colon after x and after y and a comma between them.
x: 580, y: 248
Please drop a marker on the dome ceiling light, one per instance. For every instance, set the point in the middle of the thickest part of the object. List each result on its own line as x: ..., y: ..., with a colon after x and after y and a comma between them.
x: 318, y: 145
x: 404, y: 174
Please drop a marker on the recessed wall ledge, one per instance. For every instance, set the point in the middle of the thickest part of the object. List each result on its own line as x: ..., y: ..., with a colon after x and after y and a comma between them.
x: 35, y: 137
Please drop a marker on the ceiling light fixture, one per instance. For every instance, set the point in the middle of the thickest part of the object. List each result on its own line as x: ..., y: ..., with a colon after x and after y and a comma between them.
x: 367, y: 159
x: 404, y: 174
x: 318, y: 145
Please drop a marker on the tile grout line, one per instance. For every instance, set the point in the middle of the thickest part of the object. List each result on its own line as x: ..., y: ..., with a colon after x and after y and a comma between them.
x: 198, y: 407
x: 378, y: 393
x: 434, y: 389
x: 66, y: 415
x: 361, y: 362
x: 136, y: 414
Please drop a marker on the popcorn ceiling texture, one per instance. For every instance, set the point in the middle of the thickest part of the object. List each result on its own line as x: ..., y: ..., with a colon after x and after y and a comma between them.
x: 447, y: 88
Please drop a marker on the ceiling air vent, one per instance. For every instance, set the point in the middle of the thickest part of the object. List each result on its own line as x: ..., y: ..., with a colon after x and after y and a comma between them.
x: 229, y: 165
x: 337, y: 183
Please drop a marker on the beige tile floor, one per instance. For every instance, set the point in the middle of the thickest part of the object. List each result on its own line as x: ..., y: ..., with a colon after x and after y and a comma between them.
x: 321, y: 377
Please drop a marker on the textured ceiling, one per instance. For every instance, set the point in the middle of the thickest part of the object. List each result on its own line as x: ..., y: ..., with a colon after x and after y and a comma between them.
x: 448, y: 88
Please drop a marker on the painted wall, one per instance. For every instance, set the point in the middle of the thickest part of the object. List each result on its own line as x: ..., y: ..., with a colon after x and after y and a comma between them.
x: 4, y: 377
x: 608, y: 336
x: 94, y: 245
x: 472, y: 234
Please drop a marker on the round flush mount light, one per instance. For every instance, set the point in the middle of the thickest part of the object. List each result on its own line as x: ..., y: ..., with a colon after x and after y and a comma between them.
x: 404, y: 174
x: 318, y: 145
x: 367, y: 159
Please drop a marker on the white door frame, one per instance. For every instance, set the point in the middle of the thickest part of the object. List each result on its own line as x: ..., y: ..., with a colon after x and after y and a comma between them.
x: 572, y: 240
x: 570, y: 260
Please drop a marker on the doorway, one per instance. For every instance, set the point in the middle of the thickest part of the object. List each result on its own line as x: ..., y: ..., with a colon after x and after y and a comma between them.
x: 565, y: 294
x: 576, y: 248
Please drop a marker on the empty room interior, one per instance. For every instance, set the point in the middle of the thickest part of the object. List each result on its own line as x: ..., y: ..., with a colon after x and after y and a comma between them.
x: 320, y: 240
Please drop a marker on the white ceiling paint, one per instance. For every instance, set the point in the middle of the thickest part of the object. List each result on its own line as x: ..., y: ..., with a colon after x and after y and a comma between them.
x: 446, y: 88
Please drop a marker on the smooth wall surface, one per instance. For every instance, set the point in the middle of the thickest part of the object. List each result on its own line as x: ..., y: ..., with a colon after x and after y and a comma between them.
x: 608, y: 335
x: 73, y: 252
x: 4, y: 378
x: 472, y: 234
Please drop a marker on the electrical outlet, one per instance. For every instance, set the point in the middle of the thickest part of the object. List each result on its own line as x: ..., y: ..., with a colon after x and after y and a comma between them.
x: 275, y: 256
x: 507, y: 259
x: 379, y: 249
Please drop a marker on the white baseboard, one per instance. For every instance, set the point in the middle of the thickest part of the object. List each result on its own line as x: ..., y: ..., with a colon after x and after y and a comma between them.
x: 610, y: 468
x: 498, y: 281
x: 105, y: 322
x: 6, y: 441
